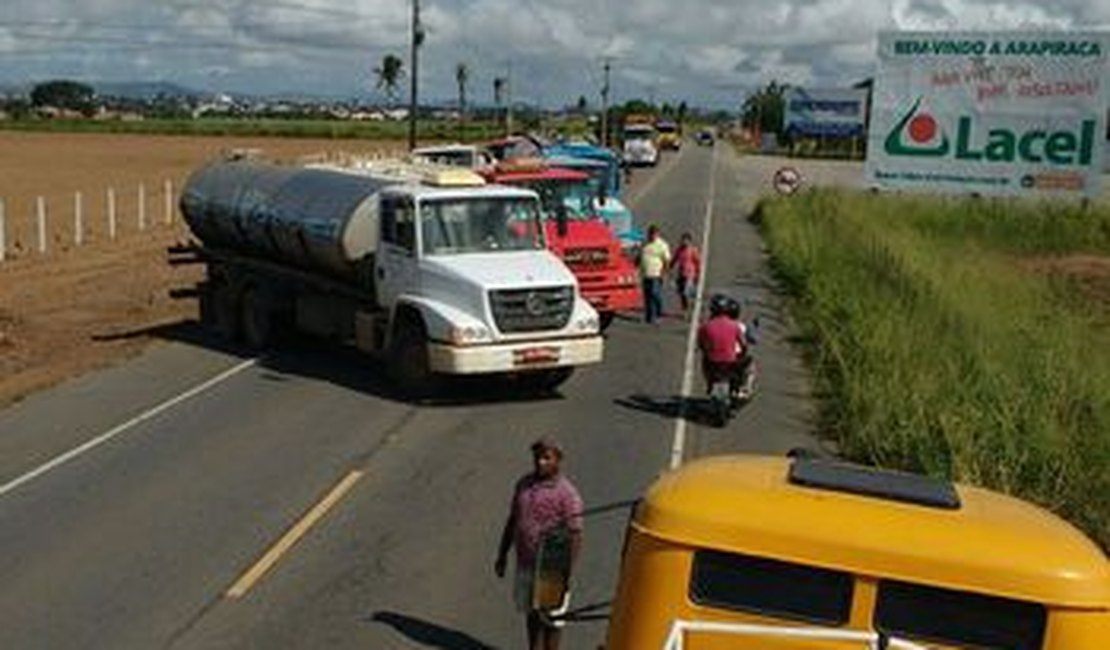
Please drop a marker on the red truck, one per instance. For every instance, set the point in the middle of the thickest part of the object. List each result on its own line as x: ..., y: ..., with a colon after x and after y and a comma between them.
x: 607, y: 279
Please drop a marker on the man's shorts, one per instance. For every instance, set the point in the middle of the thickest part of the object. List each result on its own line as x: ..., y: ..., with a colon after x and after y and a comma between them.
x: 522, y: 596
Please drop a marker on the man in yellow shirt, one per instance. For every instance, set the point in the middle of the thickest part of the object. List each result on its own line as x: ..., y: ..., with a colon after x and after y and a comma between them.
x: 655, y: 259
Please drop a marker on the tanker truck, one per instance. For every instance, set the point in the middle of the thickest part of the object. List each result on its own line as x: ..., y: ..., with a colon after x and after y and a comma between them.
x: 428, y: 268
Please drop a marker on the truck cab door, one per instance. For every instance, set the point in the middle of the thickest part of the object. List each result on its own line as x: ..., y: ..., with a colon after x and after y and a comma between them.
x: 397, y: 269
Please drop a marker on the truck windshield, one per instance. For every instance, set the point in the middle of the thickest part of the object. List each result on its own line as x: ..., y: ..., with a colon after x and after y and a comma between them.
x: 480, y: 225
x: 638, y: 132
x: 450, y: 157
x: 575, y: 196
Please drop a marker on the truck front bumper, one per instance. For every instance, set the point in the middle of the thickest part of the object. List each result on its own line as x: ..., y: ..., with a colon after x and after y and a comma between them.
x: 614, y: 297
x: 514, y: 357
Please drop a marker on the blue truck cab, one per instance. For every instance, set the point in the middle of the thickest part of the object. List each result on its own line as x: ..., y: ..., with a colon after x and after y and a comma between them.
x: 604, y: 167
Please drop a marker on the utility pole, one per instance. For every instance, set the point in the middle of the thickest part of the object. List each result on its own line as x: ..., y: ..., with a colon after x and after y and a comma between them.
x: 417, y: 40
x: 509, y: 104
x: 605, y: 107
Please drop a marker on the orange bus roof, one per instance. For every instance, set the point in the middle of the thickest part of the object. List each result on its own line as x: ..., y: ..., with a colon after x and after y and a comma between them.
x: 992, y: 544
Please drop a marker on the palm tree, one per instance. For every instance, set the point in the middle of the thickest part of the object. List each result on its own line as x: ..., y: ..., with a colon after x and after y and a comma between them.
x: 389, y: 74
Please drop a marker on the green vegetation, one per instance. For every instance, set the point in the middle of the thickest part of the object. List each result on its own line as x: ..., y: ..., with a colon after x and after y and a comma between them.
x: 389, y: 130
x: 942, y: 343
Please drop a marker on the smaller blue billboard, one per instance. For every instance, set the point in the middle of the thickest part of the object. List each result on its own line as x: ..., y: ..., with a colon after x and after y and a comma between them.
x: 829, y: 112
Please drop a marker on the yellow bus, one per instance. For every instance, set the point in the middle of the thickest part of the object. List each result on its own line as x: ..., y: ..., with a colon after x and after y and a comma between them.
x: 746, y: 552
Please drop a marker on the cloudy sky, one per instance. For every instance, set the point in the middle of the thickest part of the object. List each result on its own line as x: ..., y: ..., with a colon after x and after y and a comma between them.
x: 708, y: 52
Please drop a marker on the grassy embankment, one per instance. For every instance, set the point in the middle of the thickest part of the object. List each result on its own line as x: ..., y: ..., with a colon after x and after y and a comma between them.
x: 943, y: 342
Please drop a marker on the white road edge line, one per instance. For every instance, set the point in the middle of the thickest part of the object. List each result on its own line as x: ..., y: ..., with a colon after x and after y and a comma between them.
x: 60, y: 460
x: 678, y: 447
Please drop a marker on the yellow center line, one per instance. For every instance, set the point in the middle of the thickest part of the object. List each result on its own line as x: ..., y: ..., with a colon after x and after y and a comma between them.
x: 292, y: 536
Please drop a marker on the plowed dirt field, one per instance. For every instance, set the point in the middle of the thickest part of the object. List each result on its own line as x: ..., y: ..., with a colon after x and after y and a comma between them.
x: 79, y: 307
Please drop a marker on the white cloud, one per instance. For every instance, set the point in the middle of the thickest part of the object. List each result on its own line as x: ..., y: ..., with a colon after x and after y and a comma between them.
x: 703, y: 50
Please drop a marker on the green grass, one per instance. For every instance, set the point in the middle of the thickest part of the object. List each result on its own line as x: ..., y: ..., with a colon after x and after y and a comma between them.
x: 426, y: 130
x: 939, y: 351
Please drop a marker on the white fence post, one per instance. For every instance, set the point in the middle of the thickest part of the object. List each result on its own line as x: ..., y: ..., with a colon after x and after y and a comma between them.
x: 78, y: 220
x: 111, y: 213
x: 168, y: 190
x: 3, y: 233
x: 40, y: 209
x: 142, y: 206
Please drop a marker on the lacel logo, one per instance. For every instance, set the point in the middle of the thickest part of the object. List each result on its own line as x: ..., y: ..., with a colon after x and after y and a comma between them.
x: 917, y: 134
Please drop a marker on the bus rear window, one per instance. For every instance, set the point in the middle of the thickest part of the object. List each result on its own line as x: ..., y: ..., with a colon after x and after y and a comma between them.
x: 958, y: 618
x: 772, y: 588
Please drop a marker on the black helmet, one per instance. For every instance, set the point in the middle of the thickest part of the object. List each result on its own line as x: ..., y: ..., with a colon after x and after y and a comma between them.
x: 733, y: 309
x: 719, y: 304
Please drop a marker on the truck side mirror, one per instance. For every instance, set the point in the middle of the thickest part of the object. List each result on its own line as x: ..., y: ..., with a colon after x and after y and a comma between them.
x: 561, y: 219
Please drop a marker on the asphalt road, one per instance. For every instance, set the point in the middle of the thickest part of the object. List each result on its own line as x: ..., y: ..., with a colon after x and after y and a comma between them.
x: 136, y: 541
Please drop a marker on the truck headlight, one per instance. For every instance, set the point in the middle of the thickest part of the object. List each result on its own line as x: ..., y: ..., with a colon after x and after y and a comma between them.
x: 469, y: 335
x: 587, y: 324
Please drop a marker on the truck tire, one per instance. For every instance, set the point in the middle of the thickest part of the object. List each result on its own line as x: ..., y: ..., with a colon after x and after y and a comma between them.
x: 257, y: 320
x: 408, y: 358
x: 221, y: 316
x: 604, y: 320
x: 545, y: 381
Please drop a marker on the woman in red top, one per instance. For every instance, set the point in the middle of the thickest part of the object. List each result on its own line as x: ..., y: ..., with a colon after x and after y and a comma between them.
x: 687, y: 266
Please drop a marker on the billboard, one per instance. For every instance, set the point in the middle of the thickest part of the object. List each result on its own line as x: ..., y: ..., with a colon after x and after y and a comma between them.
x: 825, y: 112
x: 1010, y: 113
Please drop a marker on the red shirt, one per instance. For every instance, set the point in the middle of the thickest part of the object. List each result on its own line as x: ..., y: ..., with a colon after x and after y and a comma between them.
x: 720, y: 338
x: 687, y: 261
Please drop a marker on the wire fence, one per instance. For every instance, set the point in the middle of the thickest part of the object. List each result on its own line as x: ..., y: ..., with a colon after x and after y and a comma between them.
x: 61, y: 223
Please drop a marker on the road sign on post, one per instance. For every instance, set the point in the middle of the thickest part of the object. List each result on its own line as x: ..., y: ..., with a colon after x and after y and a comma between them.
x: 787, y: 180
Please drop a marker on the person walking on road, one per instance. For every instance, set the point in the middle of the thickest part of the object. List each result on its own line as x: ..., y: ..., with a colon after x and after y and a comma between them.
x: 687, y: 266
x: 545, y: 514
x: 655, y: 259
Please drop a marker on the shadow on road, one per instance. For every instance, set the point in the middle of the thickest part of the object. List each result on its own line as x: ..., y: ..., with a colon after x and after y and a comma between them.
x: 429, y: 634
x: 695, y: 410
x: 339, y: 365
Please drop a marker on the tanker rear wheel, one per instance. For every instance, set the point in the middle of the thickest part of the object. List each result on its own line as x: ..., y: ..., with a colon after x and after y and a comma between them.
x: 219, y: 311
x: 257, y: 321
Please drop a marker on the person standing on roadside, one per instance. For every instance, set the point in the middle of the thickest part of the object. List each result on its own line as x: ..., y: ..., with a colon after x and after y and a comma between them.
x: 687, y: 266
x: 545, y: 504
x: 655, y: 259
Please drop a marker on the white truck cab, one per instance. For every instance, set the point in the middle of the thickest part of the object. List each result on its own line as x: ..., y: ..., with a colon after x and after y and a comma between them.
x: 639, y: 145
x: 470, y: 259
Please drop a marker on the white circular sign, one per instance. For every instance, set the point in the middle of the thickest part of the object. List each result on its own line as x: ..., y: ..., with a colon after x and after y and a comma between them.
x: 787, y: 180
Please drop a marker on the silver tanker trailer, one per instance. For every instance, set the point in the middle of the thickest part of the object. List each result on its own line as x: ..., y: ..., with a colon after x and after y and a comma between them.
x: 428, y: 267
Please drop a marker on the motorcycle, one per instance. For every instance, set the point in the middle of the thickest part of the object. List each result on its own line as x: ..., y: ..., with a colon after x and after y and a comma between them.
x: 731, y: 388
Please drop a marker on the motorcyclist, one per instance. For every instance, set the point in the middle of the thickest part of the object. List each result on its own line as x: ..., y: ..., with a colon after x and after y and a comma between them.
x: 723, y: 342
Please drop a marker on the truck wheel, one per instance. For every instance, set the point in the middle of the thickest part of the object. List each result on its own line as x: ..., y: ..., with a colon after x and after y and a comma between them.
x: 221, y: 315
x: 604, y: 320
x: 545, y: 381
x: 408, y: 359
x: 257, y: 323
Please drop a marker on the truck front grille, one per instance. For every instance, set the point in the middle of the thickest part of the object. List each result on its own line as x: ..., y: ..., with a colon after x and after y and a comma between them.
x: 531, y: 310
x: 592, y: 257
